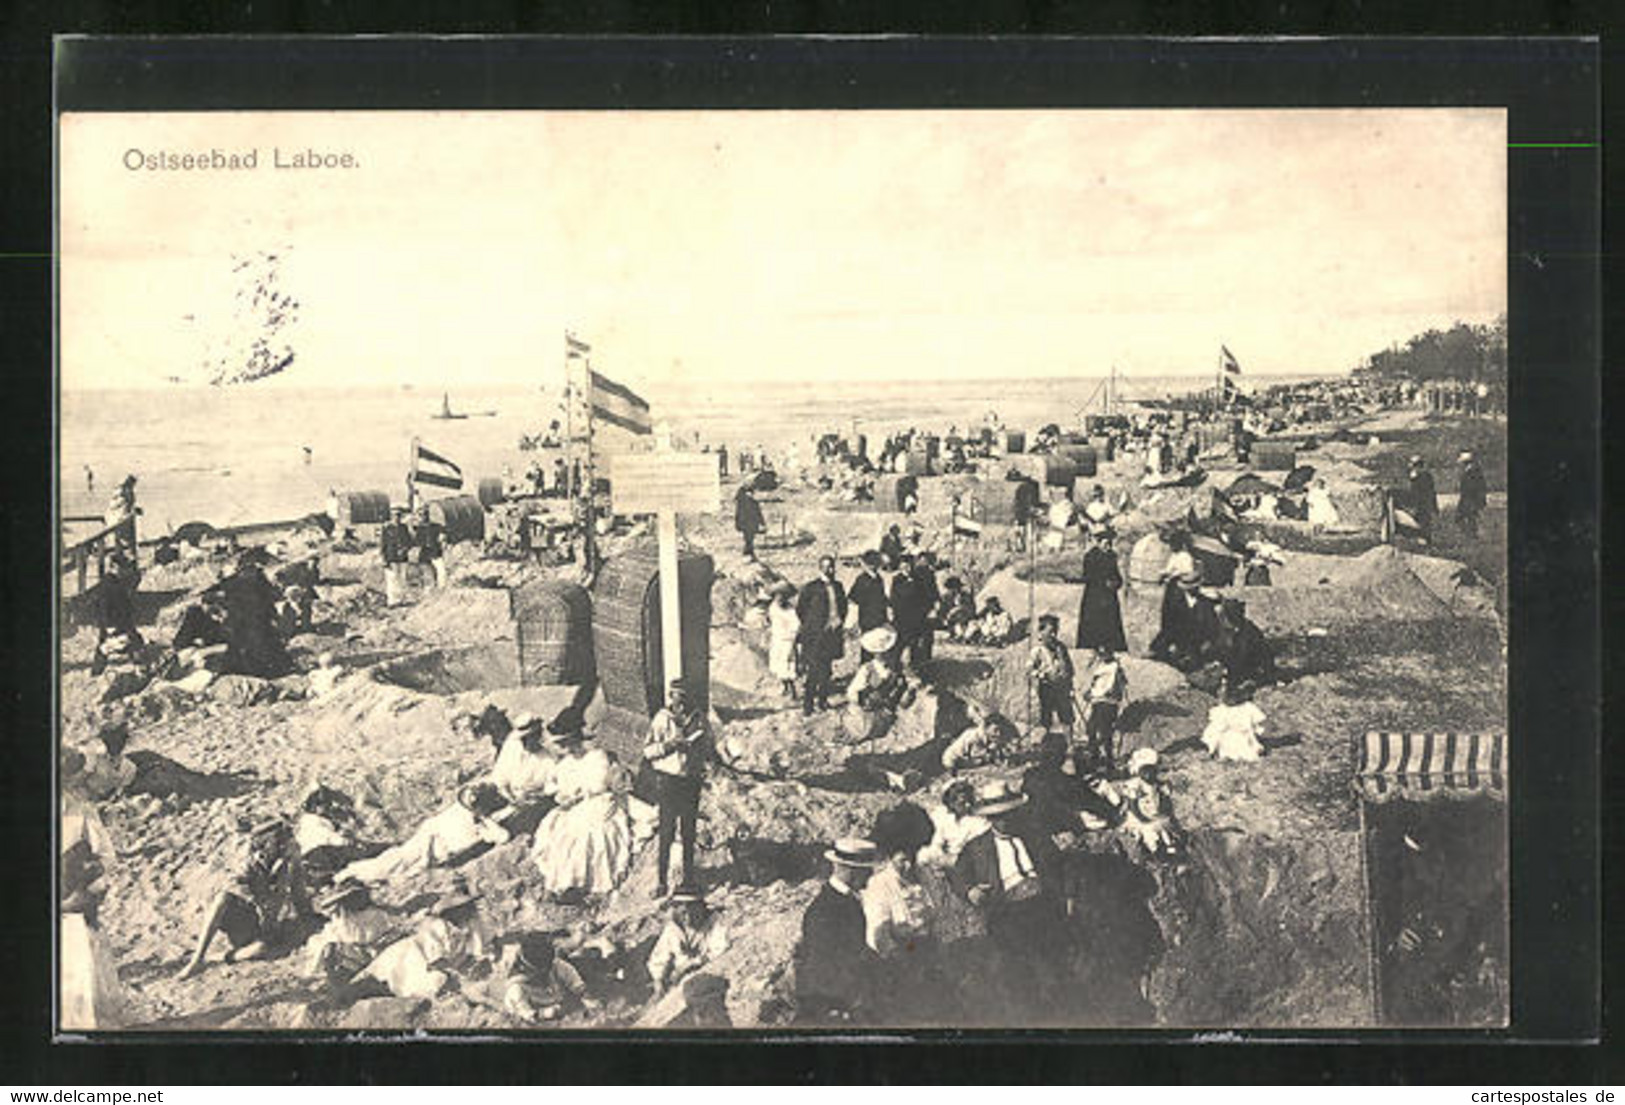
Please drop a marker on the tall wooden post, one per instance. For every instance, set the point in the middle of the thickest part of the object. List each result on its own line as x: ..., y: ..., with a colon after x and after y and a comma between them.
x: 671, y: 610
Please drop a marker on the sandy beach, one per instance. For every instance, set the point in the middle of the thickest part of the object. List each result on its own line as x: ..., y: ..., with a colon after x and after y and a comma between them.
x: 1263, y: 926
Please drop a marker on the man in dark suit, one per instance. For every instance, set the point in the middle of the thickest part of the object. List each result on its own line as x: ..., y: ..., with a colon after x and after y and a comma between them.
x: 821, y: 607
x: 910, y: 607
x: 1013, y: 874
x: 1424, y: 498
x: 868, y: 594
x: 748, y: 519
x: 835, y: 966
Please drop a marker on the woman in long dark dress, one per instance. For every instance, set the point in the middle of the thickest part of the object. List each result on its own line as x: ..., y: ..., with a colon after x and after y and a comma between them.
x: 1100, y: 617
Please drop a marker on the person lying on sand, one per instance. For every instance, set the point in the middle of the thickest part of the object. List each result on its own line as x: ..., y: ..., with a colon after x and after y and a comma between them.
x: 106, y: 772
x: 443, y: 840
x: 349, y: 941
x: 252, y: 909
x: 452, y: 941
x: 980, y: 743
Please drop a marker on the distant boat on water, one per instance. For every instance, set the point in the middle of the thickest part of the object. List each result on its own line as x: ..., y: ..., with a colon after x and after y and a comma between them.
x: 447, y: 414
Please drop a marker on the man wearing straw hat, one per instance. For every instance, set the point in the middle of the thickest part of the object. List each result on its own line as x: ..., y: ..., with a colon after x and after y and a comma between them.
x: 1012, y: 873
x: 834, y: 963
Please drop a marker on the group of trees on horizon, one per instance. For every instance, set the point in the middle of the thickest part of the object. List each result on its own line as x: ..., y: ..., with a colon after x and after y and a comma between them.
x: 1463, y: 352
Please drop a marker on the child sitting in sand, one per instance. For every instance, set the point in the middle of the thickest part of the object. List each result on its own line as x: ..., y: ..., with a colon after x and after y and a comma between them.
x: 351, y: 936
x: 1147, y: 813
x: 535, y: 982
x: 982, y: 742
x: 955, y: 823
x: 252, y: 909
x: 689, y: 939
x: 454, y: 939
x: 1234, y: 726
x: 995, y: 626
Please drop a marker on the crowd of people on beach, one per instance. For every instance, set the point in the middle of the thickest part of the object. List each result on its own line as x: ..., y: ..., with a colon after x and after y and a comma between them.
x: 983, y: 887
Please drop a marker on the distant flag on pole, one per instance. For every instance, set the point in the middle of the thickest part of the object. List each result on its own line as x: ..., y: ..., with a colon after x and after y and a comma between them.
x: 575, y: 347
x: 435, y: 470
x: 618, y: 404
x: 1228, y: 359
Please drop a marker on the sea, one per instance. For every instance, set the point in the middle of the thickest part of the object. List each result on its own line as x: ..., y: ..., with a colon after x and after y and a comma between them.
x: 237, y: 455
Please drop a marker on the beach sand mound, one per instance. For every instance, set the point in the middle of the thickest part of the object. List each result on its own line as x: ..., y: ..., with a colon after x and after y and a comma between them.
x: 460, y: 616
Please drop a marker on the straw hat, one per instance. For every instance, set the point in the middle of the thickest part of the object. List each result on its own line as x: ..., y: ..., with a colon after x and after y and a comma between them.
x: 347, y: 893
x: 455, y: 898
x: 879, y: 639
x: 686, y: 894
x: 997, y: 798
x: 1142, y: 758
x: 854, y: 851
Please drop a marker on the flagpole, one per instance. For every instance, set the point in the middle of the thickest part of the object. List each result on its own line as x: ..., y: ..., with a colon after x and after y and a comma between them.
x: 569, y: 418
x: 590, y: 544
x: 412, y: 480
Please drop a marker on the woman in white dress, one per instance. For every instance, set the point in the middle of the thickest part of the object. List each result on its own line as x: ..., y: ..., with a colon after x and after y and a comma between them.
x: 584, y: 844
x: 443, y: 840
x: 783, y: 628
x: 1322, y: 514
x: 1234, y: 726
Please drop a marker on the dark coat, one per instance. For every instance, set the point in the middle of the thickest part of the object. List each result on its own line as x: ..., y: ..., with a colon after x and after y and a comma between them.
x: 978, y: 864
x: 926, y: 580
x: 834, y: 963
x: 910, y: 606
x: 1474, y: 491
x: 812, y: 606
x: 429, y: 541
x: 1424, y: 499
x: 869, y: 593
x: 253, y: 646
x: 1100, y: 617
x: 748, y: 513
x: 393, y: 541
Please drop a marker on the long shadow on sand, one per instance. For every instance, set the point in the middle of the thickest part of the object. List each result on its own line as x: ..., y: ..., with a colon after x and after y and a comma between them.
x: 162, y: 777
x: 1138, y: 712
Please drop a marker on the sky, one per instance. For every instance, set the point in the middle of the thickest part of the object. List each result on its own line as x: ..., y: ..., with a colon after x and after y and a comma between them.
x: 713, y: 247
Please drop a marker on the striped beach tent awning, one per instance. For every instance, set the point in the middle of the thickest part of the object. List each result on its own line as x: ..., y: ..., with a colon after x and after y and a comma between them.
x: 1430, y: 765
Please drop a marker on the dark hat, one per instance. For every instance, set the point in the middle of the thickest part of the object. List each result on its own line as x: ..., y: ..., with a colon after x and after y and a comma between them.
x: 853, y: 851
x: 568, y: 724
x: 536, y: 951
x: 482, y: 798
x: 871, y: 559
x: 128, y: 480
x: 1050, y: 620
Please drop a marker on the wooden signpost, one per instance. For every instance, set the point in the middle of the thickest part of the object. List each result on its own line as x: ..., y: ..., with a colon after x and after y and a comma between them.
x: 666, y: 484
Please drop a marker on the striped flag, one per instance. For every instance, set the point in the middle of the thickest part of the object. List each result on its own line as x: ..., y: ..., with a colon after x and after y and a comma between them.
x: 1428, y: 765
x: 575, y: 347
x: 618, y: 404
x: 1228, y: 360
x: 433, y: 469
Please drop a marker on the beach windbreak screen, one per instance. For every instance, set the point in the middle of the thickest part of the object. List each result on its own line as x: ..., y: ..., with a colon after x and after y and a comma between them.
x: 1074, y: 593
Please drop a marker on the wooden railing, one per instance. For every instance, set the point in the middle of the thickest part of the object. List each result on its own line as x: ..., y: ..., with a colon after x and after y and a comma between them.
x: 76, y: 558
